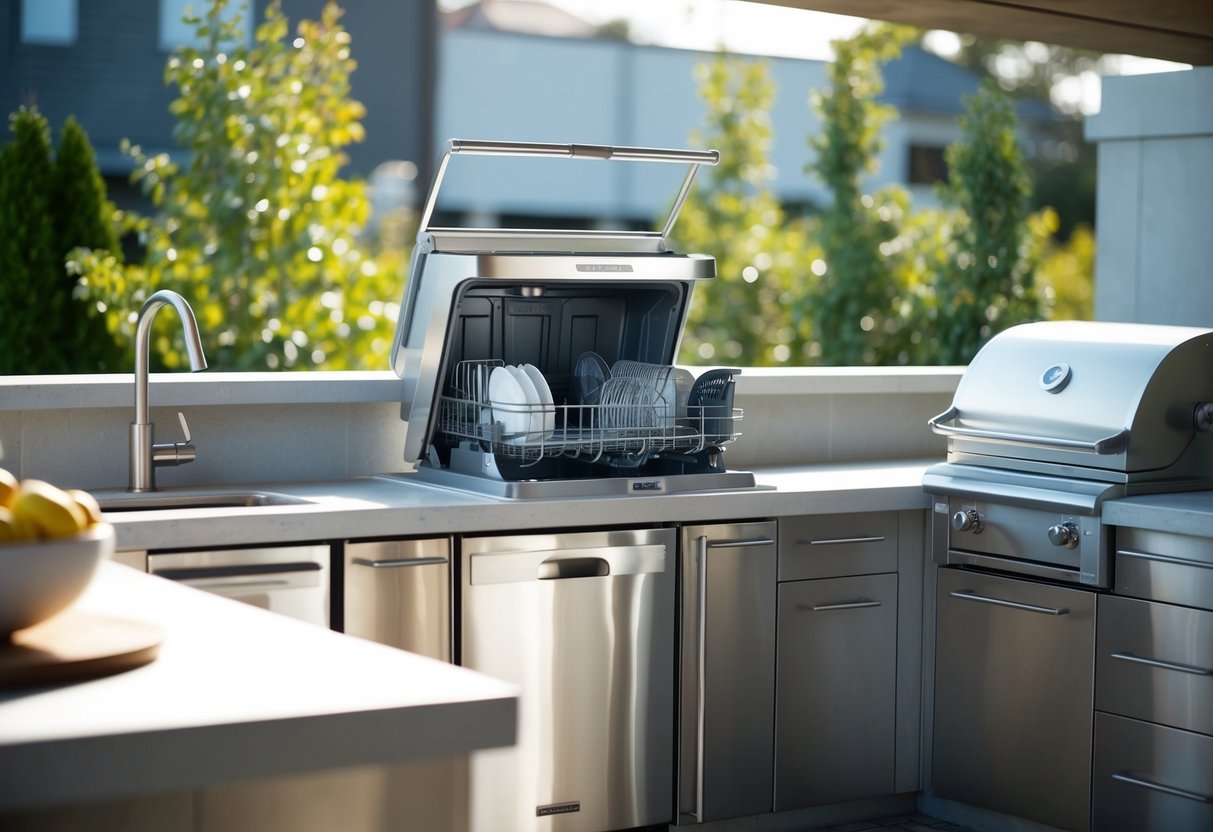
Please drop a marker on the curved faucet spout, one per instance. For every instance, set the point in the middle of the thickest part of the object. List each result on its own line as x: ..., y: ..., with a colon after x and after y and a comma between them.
x: 144, y: 455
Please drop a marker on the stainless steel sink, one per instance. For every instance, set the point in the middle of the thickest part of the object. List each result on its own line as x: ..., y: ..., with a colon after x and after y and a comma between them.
x: 176, y: 501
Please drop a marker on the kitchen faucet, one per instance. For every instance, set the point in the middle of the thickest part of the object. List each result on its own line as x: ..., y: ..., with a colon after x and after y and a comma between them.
x: 144, y: 455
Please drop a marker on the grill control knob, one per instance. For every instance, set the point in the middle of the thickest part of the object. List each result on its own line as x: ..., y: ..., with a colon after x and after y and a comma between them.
x: 967, y: 521
x: 1064, y: 534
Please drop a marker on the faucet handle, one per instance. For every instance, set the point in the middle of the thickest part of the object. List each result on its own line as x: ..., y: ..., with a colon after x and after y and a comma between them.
x: 184, y: 427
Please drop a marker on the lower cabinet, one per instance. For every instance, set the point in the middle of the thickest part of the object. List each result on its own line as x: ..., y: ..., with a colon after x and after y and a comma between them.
x: 836, y: 688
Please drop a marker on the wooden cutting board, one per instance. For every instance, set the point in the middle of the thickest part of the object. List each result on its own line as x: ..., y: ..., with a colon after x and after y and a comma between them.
x: 76, y: 645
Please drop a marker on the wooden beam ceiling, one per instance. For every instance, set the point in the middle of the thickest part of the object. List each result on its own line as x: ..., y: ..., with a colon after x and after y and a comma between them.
x: 1173, y: 30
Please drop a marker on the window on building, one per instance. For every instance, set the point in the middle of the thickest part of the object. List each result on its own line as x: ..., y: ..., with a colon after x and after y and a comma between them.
x: 927, y: 165
x: 174, y: 31
x: 48, y: 22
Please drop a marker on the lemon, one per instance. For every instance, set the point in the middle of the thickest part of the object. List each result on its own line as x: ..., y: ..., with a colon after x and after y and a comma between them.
x: 88, y: 504
x: 8, y: 488
x: 48, y: 509
x: 14, y: 528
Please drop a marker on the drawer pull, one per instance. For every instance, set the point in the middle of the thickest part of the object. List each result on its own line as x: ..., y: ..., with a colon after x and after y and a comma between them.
x: 969, y: 595
x: 859, y: 604
x: 829, y: 541
x: 396, y: 563
x: 741, y: 544
x: 1133, y: 553
x: 1125, y: 777
x: 1182, y: 668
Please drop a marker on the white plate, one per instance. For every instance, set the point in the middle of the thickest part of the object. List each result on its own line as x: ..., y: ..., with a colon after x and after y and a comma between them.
x: 509, y: 403
x: 534, y: 406
x: 545, y: 396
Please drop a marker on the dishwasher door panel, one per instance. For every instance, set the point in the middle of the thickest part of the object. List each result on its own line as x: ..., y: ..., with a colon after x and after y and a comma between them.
x: 584, y: 624
x: 398, y: 592
x: 1014, y: 697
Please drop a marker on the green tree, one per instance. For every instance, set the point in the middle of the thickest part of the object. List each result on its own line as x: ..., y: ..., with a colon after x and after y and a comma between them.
x: 854, y: 304
x: 83, y: 218
x: 258, y: 230
x: 988, y: 282
x: 33, y: 291
x: 744, y: 316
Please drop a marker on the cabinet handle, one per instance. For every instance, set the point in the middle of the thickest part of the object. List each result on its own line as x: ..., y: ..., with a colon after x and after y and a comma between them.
x: 1133, y: 553
x: 739, y: 544
x: 859, y: 604
x: 1182, y: 668
x: 829, y: 541
x: 1125, y: 777
x: 970, y: 595
x: 701, y: 559
x: 398, y: 562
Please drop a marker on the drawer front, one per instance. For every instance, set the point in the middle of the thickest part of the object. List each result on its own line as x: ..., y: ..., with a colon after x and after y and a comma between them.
x: 837, y: 545
x: 1149, y: 777
x: 1155, y: 662
x: 1162, y: 566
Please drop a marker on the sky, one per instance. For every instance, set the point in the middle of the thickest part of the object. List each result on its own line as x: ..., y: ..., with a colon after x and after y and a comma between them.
x: 760, y: 29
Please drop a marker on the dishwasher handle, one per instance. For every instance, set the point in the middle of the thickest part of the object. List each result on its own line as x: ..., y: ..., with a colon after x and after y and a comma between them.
x: 506, y: 567
x: 556, y: 569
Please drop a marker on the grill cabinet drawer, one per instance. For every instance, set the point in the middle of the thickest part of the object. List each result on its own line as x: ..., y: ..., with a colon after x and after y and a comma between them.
x: 1155, y: 662
x: 1148, y: 777
x: 1163, y: 566
x: 837, y: 545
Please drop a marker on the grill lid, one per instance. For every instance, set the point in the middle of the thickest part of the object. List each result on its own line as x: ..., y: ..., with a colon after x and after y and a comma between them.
x: 1111, y: 401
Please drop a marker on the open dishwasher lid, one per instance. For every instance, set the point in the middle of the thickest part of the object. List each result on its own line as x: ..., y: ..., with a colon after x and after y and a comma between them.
x: 544, y: 298
x: 1115, y: 402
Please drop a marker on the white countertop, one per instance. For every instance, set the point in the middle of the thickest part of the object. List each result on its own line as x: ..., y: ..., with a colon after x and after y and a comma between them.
x: 236, y: 693
x: 372, y: 507
x: 1184, y: 512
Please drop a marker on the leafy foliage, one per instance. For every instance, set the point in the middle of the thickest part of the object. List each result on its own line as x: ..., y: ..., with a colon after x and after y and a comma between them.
x: 32, y: 301
x: 744, y: 315
x: 988, y: 281
x: 257, y: 229
x: 82, y: 218
x: 853, y: 307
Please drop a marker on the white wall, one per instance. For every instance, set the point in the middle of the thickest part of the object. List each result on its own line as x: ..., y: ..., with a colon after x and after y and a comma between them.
x: 495, y: 85
x: 274, y: 427
x: 1154, y: 203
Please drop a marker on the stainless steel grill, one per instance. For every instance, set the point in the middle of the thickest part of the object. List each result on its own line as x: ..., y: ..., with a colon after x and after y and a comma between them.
x: 481, y: 299
x: 1051, y: 419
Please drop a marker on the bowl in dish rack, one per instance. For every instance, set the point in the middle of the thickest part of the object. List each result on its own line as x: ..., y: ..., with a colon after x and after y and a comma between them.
x: 39, y: 578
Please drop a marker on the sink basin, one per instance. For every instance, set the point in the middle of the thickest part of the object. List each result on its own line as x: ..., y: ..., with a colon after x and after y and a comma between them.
x: 175, y: 501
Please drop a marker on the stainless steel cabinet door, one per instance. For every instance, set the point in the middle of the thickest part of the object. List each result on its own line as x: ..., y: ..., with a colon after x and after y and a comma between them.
x: 398, y: 592
x: 1149, y: 777
x: 1014, y: 689
x: 727, y: 723
x: 836, y: 690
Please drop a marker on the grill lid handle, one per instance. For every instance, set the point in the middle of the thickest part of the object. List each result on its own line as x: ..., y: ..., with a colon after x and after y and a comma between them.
x: 945, y: 425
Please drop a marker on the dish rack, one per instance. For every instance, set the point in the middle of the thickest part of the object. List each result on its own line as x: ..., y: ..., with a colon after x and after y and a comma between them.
x: 633, y: 421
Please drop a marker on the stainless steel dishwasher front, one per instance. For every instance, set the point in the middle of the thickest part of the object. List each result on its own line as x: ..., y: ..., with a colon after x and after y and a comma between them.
x: 584, y: 623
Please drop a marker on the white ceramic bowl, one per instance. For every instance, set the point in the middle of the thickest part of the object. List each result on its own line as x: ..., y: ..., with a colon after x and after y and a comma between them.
x: 38, y: 578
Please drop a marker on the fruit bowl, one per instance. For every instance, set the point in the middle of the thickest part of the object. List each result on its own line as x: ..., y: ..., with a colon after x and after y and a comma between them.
x: 38, y: 578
